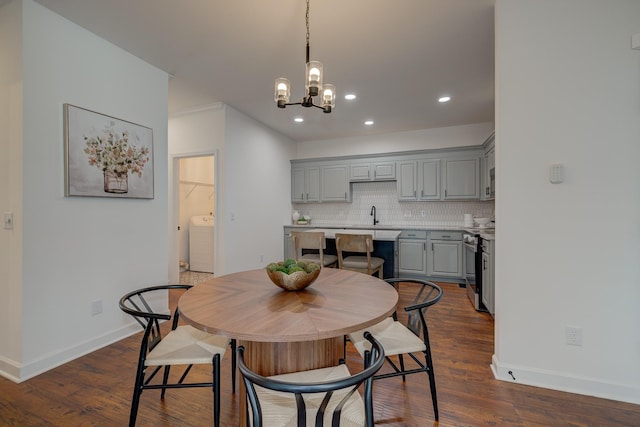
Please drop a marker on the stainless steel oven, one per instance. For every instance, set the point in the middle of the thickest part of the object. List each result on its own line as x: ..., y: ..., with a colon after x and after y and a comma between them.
x: 473, y: 269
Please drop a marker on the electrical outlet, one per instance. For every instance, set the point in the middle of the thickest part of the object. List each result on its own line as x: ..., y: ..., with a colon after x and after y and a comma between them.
x: 574, y: 335
x: 8, y: 221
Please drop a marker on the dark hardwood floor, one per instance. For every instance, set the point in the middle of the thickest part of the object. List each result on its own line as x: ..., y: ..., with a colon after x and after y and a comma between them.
x: 95, y: 390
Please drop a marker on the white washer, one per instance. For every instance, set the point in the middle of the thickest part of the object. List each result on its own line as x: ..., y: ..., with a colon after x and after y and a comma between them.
x: 201, y: 230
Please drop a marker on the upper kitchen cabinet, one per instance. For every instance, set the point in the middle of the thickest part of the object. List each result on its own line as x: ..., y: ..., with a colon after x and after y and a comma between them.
x: 461, y: 178
x: 376, y: 171
x: 489, y: 169
x: 305, y: 184
x: 335, y: 184
x: 418, y: 180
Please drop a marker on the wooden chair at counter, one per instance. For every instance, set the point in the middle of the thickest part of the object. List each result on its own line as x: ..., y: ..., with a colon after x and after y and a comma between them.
x: 360, y: 243
x: 314, y: 240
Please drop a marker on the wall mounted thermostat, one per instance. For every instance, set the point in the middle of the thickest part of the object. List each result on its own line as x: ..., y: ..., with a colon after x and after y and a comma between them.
x: 556, y: 173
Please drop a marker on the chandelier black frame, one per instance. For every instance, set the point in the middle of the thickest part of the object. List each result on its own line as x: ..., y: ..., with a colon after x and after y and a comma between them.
x: 313, y: 84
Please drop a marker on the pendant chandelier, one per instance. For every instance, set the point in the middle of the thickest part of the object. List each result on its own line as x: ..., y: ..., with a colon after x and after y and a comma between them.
x: 313, y: 85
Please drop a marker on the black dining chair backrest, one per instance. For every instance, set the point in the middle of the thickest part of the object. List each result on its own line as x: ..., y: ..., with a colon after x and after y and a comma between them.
x: 374, y: 360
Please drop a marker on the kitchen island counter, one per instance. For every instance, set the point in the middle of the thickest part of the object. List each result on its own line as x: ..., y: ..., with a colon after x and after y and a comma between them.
x: 381, y: 235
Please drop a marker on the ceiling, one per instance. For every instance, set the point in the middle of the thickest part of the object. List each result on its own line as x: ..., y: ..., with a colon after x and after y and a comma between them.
x: 397, y: 56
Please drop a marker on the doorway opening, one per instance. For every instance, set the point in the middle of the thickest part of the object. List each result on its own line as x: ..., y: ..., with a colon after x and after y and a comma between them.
x: 196, y: 200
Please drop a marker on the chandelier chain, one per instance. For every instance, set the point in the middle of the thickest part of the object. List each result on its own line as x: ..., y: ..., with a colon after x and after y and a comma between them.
x: 307, y: 22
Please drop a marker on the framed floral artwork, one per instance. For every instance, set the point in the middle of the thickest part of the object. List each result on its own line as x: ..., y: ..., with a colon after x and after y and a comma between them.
x: 105, y: 156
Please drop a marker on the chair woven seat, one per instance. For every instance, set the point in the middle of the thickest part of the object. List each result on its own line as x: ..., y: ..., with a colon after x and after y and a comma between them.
x: 187, y: 345
x: 393, y: 335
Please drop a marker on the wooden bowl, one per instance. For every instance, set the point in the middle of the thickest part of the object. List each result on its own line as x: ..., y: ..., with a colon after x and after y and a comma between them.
x: 294, y: 281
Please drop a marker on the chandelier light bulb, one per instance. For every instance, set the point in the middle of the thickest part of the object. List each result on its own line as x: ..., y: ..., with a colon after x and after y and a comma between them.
x: 282, y: 92
x: 314, y: 78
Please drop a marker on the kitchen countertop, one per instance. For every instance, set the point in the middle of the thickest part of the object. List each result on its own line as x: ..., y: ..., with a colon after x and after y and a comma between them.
x: 382, y: 235
x: 381, y: 230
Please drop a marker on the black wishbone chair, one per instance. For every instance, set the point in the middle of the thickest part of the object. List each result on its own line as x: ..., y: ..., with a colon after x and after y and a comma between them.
x: 318, y: 394
x: 183, y: 345
x: 410, y: 338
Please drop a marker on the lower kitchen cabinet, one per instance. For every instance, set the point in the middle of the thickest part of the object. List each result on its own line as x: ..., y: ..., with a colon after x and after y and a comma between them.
x: 412, y: 252
x: 288, y: 245
x: 444, y: 254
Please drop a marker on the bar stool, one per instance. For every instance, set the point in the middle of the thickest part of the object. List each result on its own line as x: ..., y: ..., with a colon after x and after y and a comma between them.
x: 359, y: 243
x: 312, y: 240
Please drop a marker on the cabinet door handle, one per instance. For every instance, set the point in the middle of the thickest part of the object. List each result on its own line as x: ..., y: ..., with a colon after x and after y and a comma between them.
x: 345, y: 196
x: 302, y: 196
x: 414, y: 193
x: 424, y: 246
x: 432, y: 249
x: 421, y: 193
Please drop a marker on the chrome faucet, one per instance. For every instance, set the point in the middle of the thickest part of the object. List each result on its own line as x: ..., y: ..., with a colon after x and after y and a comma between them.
x: 373, y: 213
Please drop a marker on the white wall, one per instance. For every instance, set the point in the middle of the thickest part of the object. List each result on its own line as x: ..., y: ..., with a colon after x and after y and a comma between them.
x: 568, y: 91
x: 448, y: 137
x: 11, y: 182
x: 77, y: 250
x: 253, y: 181
x: 193, y: 133
x: 255, y: 201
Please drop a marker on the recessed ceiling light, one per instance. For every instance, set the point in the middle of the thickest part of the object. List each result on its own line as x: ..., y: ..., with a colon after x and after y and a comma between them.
x: 350, y: 96
x: 444, y: 99
x: 368, y: 122
x: 298, y: 120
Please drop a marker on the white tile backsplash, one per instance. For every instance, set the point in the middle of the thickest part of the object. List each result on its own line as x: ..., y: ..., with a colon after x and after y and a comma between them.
x: 390, y: 211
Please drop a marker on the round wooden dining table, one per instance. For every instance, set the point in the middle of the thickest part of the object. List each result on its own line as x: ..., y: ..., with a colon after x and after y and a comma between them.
x: 288, y: 331
x: 247, y: 306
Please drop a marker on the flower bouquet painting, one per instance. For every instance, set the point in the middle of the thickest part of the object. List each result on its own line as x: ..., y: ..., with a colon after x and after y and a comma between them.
x: 106, y: 157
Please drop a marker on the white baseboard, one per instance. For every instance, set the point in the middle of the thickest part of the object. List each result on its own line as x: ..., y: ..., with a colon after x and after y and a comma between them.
x: 562, y: 382
x: 18, y: 372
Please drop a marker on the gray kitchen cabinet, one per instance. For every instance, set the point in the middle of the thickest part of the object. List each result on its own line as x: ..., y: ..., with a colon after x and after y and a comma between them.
x: 407, y: 180
x: 488, y: 280
x: 305, y: 184
x: 489, y: 169
x: 444, y: 254
x: 288, y: 246
x: 376, y: 171
x: 461, y: 178
x: 412, y: 253
x: 418, y: 180
x: 335, y: 184
x: 429, y: 179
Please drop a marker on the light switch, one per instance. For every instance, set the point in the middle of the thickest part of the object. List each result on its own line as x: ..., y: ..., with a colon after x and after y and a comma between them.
x: 556, y: 173
x: 8, y: 220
